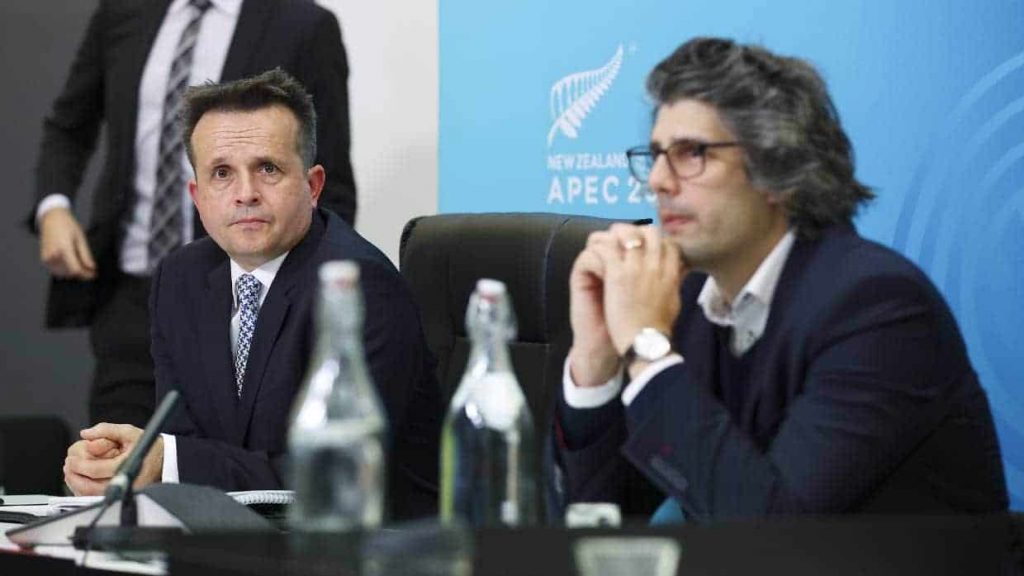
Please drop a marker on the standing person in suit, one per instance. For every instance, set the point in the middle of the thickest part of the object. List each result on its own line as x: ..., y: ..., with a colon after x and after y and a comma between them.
x: 128, y: 75
x: 775, y: 362
x: 256, y: 189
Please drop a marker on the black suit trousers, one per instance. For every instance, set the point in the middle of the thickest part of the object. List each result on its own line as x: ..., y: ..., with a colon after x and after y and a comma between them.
x: 122, y: 387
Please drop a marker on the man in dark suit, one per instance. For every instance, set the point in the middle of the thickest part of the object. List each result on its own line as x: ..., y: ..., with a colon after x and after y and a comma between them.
x: 777, y: 363
x: 133, y: 55
x: 256, y: 189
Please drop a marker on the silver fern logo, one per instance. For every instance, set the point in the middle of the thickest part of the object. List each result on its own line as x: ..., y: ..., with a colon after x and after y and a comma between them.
x: 593, y: 171
x: 573, y: 97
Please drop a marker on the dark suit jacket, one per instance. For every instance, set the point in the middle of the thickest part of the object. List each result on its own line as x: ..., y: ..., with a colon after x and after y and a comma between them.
x: 861, y: 397
x: 102, y: 87
x: 238, y: 444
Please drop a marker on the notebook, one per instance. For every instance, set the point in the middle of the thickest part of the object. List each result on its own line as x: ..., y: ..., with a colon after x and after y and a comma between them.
x: 252, y: 497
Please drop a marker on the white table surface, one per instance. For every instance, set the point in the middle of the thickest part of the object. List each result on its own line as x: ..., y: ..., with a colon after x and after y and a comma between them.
x: 98, y: 560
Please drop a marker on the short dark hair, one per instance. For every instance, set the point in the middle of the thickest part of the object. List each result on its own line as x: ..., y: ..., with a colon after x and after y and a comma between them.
x: 780, y: 110
x: 273, y: 87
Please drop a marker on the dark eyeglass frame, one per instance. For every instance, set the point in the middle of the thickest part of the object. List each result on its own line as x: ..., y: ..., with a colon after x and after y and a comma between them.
x: 649, y: 154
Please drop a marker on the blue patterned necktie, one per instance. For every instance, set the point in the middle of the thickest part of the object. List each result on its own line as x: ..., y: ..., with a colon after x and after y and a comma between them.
x: 248, y: 289
x: 165, y: 226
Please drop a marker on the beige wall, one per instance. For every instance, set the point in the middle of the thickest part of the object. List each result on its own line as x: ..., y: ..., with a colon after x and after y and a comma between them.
x: 393, y: 86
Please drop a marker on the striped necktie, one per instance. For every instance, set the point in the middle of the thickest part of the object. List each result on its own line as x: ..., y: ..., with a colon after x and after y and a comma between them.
x: 166, y: 221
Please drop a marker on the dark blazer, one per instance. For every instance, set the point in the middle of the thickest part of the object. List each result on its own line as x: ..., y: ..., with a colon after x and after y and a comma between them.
x: 861, y: 398
x: 239, y: 444
x: 102, y: 88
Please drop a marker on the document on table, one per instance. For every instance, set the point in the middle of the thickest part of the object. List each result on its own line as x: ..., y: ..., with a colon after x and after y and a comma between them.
x: 23, y: 508
x: 60, y: 504
x: 24, y: 499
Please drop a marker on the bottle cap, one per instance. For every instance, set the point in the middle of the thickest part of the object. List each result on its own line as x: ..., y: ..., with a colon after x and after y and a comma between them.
x: 339, y: 272
x: 490, y: 288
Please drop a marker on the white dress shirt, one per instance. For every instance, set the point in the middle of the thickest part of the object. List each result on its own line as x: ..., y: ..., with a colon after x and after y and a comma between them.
x: 265, y: 274
x: 216, y: 30
x: 747, y: 317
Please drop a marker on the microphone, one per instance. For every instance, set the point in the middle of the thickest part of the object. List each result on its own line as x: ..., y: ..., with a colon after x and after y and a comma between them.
x: 120, y: 487
x: 126, y: 473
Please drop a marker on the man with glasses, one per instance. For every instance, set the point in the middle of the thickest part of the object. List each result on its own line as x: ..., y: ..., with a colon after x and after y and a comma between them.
x: 753, y: 355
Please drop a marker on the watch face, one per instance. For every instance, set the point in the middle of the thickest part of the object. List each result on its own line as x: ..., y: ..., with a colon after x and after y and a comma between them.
x: 651, y: 345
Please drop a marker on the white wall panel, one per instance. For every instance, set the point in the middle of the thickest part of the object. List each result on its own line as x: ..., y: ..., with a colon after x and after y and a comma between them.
x: 393, y: 91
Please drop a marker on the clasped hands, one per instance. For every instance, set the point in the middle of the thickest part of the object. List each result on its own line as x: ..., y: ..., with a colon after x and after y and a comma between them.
x: 625, y: 279
x: 92, y: 461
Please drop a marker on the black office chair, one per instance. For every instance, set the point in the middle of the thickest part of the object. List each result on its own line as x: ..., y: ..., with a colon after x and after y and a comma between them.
x: 32, y: 450
x: 442, y: 257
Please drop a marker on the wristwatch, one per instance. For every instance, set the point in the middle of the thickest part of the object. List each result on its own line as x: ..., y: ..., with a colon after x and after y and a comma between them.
x: 649, y: 345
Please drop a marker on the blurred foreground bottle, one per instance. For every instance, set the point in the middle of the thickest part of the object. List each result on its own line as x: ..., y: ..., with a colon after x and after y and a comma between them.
x: 337, y: 435
x: 487, y: 443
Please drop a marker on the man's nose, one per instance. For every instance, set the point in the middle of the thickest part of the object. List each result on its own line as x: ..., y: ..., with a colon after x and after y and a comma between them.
x: 662, y: 180
x: 247, y: 192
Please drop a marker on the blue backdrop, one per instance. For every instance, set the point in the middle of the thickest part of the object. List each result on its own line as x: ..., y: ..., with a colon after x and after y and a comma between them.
x: 540, y: 99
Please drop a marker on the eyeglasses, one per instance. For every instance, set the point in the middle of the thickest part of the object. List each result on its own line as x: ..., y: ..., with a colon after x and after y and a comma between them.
x: 685, y: 158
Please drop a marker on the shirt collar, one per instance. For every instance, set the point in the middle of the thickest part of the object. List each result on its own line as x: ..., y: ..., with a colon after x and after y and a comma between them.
x: 750, y: 309
x: 232, y: 7
x: 265, y: 273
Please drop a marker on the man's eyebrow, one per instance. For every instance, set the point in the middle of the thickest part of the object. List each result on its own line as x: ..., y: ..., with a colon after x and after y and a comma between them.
x: 673, y: 141
x: 267, y: 158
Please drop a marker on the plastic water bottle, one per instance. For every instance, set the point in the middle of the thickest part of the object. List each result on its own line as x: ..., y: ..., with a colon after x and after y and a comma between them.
x: 336, y: 440
x: 487, y: 443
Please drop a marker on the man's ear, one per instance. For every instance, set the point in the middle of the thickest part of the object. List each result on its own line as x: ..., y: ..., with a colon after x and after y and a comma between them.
x: 193, y: 190
x: 316, y: 177
x: 778, y: 199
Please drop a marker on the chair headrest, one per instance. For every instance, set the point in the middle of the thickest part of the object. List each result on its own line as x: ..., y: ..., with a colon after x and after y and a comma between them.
x: 532, y: 253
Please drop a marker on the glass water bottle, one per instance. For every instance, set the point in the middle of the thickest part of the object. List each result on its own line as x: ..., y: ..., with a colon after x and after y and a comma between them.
x: 337, y: 437
x: 487, y: 442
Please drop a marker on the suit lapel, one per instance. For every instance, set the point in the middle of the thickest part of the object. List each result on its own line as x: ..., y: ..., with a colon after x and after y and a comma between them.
x: 767, y: 347
x: 215, y: 348
x: 139, y: 37
x: 696, y: 335
x: 273, y: 313
x: 252, y: 20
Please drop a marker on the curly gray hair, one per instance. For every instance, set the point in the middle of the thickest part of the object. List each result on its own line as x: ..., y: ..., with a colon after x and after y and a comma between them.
x: 780, y: 110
